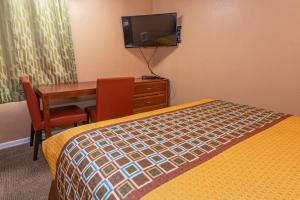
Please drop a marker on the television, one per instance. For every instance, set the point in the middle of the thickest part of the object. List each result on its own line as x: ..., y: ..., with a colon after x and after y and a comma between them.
x: 150, y: 30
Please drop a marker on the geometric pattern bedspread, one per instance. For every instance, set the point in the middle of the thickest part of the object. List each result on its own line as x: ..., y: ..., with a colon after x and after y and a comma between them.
x: 127, y: 160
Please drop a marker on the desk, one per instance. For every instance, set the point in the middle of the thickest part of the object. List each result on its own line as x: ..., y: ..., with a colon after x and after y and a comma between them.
x: 148, y: 95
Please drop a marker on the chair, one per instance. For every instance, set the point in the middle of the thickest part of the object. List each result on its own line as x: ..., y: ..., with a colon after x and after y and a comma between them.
x: 59, y: 116
x: 114, y: 99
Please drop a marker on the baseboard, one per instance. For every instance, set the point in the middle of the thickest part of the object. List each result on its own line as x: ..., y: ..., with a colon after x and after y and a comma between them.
x: 14, y: 143
x: 18, y: 142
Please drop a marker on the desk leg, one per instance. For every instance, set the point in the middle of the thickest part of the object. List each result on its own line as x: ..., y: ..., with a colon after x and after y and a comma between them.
x: 46, y: 112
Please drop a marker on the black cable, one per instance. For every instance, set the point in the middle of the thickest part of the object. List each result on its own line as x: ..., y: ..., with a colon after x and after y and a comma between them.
x: 149, y: 61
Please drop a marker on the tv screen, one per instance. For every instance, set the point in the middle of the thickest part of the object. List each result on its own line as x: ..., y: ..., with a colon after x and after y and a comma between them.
x: 150, y: 30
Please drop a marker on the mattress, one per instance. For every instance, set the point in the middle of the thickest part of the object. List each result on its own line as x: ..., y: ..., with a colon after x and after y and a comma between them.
x: 208, y: 149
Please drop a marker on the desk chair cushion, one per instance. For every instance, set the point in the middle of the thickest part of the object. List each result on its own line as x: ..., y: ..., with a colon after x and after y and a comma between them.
x: 65, y: 115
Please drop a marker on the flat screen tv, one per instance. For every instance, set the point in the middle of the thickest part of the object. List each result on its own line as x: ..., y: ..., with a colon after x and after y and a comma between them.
x: 150, y: 30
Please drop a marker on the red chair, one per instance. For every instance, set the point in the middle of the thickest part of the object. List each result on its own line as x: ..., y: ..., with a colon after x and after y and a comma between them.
x: 59, y: 116
x: 114, y: 99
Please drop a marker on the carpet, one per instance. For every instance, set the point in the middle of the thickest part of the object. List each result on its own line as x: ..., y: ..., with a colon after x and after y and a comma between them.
x: 21, y: 177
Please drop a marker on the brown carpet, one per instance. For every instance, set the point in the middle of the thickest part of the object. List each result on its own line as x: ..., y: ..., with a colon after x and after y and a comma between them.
x: 21, y: 177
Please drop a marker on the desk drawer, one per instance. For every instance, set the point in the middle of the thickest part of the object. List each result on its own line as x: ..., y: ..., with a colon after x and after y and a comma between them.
x: 151, y: 87
x: 149, y: 108
x: 150, y: 101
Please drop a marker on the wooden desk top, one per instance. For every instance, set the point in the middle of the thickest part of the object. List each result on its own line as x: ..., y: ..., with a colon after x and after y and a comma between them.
x: 73, y: 89
x: 63, y: 88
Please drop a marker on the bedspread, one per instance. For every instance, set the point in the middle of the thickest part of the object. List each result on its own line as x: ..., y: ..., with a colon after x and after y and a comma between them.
x: 134, y: 156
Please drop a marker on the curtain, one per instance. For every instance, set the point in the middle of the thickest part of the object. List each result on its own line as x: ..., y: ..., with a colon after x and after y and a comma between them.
x: 35, y: 40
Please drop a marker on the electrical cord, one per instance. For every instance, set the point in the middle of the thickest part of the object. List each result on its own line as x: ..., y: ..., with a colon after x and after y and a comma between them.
x: 172, y: 89
x: 148, y: 61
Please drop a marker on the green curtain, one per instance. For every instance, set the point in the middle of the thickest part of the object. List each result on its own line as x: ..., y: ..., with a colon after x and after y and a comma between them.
x: 35, y: 40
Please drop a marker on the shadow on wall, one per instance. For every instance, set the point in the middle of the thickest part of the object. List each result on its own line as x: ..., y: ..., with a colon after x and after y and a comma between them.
x: 161, y: 54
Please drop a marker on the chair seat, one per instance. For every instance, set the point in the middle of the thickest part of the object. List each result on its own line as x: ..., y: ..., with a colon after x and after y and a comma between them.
x: 65, y: 115
x: 91, y: 111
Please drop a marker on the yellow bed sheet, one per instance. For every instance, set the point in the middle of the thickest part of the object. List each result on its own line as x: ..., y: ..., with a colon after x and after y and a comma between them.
x: 265, y: 166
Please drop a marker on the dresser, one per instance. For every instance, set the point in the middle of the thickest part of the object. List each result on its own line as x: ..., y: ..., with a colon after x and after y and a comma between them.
x: 151, y: 95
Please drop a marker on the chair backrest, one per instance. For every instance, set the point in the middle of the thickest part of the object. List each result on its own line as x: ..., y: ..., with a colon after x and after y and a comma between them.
x: 114, y: 98
x: 32, y: 103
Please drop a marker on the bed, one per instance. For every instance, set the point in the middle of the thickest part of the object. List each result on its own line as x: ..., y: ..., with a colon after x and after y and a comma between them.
x: 208, y: 149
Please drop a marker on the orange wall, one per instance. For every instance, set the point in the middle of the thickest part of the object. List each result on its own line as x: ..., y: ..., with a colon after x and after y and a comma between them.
x: 98, y: 37
x: 242, y: 51
x: 99, y: 51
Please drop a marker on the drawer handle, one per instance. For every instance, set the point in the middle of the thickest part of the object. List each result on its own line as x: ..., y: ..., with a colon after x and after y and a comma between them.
x: 148, y: 102
x: 148, y: 88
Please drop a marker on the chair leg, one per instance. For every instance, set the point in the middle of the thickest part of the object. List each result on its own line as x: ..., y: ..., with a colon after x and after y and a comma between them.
x: 75, y: 124
x: 32, y: 135
x: 38, y: 139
